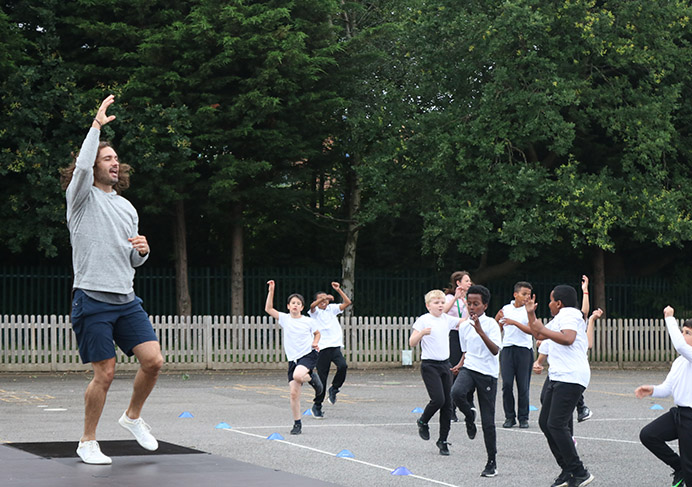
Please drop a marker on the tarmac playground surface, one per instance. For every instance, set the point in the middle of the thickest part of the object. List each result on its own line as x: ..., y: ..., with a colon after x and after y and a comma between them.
x: 366, y: 436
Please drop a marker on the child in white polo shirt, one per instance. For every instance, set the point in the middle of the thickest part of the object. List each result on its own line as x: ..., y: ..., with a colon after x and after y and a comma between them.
x: 677, y: 422
x: 516, y: 357
x: 478, y: 369
x: 568, y: 377
x: 325, y: 313
x: 432, y: 331
x: 301, y: 339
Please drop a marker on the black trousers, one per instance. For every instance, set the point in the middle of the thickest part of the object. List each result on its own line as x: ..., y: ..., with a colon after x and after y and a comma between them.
x: 676, y: 424
x: 516, y: 364
x: 559, y: 399
x: 486, y: 390
x: 437, y: 378
x: 455, y: 353
x: 326, y: 357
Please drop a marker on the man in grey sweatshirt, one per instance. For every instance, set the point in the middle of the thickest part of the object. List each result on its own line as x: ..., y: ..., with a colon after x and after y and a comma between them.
x: 106, y: 248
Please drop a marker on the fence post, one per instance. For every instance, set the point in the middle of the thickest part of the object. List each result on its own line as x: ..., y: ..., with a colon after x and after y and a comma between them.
x: 53, y: 343
x: 620, y: 342
x: 208, y: 341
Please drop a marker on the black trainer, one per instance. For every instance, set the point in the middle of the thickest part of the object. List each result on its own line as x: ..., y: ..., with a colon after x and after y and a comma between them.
x: 561, y: 480
x: 333, y: 391
x: 678, y: 479
x: 423, y: 429
x: 317, y: 411
x: 580, y: 480
x: 316, y: 383
x: 583, y: 414
x: 471, y: 425
x: 490, y: 469
x: 297, y: 427
x: 524, y: 423
x: 509, y: 423
x: 442, y: 445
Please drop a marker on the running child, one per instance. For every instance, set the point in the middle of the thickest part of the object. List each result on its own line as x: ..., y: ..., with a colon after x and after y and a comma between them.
x: 301, y: 344
x: 516, y: 357
x: 331, y: 342
x: 568, y: 377
x: 431, y: 330
x: 478, y: 369
x: 677, y: 422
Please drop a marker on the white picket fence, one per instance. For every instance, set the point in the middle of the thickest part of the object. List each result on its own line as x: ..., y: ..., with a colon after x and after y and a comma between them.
x: 47, y: 343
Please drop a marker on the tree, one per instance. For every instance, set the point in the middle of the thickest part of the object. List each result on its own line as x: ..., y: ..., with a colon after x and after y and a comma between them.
x: 547, y: 140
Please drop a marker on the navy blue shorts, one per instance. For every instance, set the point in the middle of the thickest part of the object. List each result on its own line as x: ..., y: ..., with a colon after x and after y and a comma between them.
x: 98, y: 324
x: 309, y: 361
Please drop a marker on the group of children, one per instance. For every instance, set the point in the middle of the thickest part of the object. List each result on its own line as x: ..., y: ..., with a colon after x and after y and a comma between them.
x: 311, y: 344
x: 488, y: 346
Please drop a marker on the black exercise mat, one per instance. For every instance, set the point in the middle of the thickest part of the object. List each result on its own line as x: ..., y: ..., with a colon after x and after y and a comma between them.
x: 114, y: 448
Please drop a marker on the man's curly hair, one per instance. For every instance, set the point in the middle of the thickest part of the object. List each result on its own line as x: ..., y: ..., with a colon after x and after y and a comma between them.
x: 123, y: 171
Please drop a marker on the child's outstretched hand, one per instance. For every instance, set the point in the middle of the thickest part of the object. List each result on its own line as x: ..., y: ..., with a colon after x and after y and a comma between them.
x: 531, y: 304
x: 597, y: 313
x: 643, y: 391
x: 584, y: 283
x: 336, y: 285
x: 668, y: 311
x: 270, y: 284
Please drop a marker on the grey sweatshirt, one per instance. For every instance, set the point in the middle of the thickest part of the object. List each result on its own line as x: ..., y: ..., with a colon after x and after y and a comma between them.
x: 100, y: 224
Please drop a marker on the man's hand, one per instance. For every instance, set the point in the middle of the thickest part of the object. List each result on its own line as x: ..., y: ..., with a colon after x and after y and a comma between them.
x: 101, y: 117
x: 139, y: 243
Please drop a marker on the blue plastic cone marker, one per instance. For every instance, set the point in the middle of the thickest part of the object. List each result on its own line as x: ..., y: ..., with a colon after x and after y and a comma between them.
x: 345, y: 454
x: 533, y: 408
x: 308, y: 412
x: 656, y: 407
x: 417, y: 410
x: 186, y: 414
x: 275, y: 436
x: 401, y: 471
x: 222, y: 426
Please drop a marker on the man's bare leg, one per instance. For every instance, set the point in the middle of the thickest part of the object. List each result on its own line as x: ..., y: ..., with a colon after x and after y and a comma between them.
x: 150, y: 363
x: 95, y: 396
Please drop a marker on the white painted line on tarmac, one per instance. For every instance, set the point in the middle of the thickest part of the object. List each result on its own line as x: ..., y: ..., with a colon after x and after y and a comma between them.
x: 612, y: 440
x: 388, y: 469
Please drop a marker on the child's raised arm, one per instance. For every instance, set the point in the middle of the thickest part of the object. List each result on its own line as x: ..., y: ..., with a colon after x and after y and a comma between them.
x: 585, y: 306
x: 269, y: 305
x: 318, y: 301
x: 589, y: 327
x: 676, y: 337
x: 346, y: 300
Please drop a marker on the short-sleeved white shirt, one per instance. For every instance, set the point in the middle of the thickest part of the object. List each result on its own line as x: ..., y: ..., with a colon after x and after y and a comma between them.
x: 436, y: 345
x: 478, y: 357
x: 331, y: 334
x: 569, y: 363
x: 513, y: 335
x: 298, y: 335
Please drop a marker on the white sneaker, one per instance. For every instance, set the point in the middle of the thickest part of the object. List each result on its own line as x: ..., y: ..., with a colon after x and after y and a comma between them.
x: 140, y: 430
x: 90, y: 452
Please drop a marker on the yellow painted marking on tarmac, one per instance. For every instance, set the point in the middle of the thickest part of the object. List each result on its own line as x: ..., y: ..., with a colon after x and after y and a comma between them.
x: 25, y: 397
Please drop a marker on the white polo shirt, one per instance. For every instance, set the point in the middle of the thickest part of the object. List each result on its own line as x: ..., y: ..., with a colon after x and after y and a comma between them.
x: 478, y: 358
x: 331, y: 334
x: 569, y: 363
x: 678, y: 382
x: 298, y: 335
x: 436, y: 345
x: 513, y: 336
